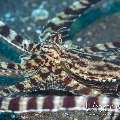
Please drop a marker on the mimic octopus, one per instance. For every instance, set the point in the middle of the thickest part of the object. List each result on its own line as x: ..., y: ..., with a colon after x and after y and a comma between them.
x: 51, y: 66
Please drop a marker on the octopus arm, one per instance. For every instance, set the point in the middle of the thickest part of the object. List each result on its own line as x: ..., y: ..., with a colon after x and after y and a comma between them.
x: 14, y: 38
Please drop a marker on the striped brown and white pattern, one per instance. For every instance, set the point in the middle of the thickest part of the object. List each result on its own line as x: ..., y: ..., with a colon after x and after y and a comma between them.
x: 102, y: 47
x: 56, y: 103
x: 66, y: 18
x: 113, y: 47
x: 13, y: 38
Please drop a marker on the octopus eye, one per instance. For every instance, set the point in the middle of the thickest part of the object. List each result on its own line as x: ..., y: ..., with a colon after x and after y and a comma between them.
x: 67, y: 66
x: 56, y: 37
